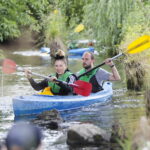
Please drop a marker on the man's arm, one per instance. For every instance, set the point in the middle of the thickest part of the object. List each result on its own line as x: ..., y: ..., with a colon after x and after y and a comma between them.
x: 115, y: 75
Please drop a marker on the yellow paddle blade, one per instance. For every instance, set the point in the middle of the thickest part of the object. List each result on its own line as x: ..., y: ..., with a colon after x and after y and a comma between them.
x: 140, y: 48
x: 55, y: 11
x: 139, y: 45
x: 79, y: 28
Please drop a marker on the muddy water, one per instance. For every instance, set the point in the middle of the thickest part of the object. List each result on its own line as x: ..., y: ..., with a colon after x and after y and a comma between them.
x: 125, y: 107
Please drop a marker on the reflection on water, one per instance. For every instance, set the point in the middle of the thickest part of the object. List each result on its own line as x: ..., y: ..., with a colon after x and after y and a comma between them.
x: 32, y: 53
x: 124, y: 107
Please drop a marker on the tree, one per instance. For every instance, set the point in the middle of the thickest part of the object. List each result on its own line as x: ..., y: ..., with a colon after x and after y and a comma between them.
x: 13, y: 16
x: 16, y: 15
x: 54, y: 31
x: 135, y: 24
x: 104, y: 19
x: 73, y: 10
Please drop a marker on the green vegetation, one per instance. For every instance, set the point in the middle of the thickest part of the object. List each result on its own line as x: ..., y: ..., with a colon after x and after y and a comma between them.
x: 104, y: 20
x: 13, y: 15
x: 109, y: 22
x: 17, y: 15
x: 1, y: 54
x: 126, y: 145
x: 135, y: 24
x: 54, y: 32
x: 112, y: 23
x: 73, y: 10
x: 54, y: 27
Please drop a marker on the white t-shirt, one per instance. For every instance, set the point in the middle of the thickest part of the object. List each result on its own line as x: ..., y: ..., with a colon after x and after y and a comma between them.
x: 102, y: 75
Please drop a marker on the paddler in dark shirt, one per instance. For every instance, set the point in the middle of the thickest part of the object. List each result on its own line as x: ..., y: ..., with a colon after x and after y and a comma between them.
x: 62, y: 73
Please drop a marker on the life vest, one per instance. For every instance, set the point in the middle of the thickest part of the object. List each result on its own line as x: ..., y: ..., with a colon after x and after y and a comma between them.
x: 56, y: 88
x: 46, y: 91
x: 91, y: 78
x: 87, y: 76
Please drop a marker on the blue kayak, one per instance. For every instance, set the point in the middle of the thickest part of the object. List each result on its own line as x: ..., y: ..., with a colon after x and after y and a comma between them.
x: 35, y: 104
x: 80, y: 51
x: 45, y: 50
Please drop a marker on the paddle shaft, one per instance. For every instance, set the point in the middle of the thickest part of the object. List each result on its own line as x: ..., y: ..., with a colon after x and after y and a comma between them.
x: 80, y: 87
x: 48, y: 78
x: 33, y: 73
x: 115, y: 57
x: 9, y: 64
x: 63, y: 82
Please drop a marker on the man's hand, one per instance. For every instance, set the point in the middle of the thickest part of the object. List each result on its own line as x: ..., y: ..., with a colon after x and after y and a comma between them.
x: 109, y: 62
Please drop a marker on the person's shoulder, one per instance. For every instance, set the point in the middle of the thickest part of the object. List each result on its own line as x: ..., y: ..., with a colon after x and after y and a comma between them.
x: 71, y: 74
x: 100, y: 70
x: 72, y: 78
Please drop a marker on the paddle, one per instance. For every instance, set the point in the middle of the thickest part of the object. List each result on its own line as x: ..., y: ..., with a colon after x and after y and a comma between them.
x: 79, y: 28
x: 137, y: 46
x: 79, y: 87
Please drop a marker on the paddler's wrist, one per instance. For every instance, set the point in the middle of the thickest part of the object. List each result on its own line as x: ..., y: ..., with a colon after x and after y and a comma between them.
x: 29, y: 78
x: 111, y: 66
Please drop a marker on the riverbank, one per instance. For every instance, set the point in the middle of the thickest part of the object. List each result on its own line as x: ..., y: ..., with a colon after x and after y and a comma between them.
x: 25, y: 41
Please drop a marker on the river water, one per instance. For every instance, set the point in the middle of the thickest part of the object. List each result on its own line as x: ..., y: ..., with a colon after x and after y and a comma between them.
x: 125, y: 107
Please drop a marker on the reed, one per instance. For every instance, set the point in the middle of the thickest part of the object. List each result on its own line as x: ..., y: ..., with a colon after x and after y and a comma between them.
x: 104, y: 20
x: 55, y: 32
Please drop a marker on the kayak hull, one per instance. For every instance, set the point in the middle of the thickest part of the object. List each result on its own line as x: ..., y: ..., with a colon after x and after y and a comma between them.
x: 35, y: 104
x: 80, y: 51
x: 45, y: 50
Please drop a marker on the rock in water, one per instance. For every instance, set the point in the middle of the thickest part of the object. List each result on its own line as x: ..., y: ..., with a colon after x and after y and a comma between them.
x: 50, y: 119
x: 86, y: 135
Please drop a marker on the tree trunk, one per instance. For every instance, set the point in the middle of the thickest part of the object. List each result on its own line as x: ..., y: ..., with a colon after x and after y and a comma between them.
x: 54, y: 46
x: 134, y: 75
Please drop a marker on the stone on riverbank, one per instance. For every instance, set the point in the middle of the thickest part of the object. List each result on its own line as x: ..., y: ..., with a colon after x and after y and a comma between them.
x: 50, y: 119
x: 86, y: 135
x: 141, y: 139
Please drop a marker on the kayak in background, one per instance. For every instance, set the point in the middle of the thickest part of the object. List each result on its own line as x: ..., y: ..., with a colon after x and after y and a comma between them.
x: 80, y: 51
x: 45, y: 50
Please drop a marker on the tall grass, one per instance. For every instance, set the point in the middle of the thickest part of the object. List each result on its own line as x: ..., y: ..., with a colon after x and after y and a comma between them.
x: 104, y: 20
x: 54, y: 27
x: 137, y: 23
